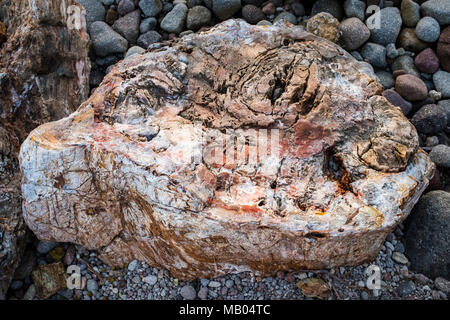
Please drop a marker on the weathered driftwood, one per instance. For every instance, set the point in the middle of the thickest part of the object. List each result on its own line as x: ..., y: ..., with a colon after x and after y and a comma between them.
x: 123, y: 174
x: 44, y: 71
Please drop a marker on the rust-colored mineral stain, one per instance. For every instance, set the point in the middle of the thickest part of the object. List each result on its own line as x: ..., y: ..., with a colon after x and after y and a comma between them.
x: 307, y: 140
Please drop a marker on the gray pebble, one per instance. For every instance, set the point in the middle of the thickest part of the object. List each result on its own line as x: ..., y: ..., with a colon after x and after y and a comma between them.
x: 441, y: 80
x: 150, y: 8
x: 287, y: 16
x: 132, y: 265
x: 105, y: 40
x: 92, y: 285
x: 405, y: 288
x: 30, y: 293
x: 391, y: 51
x: 198, y: 17
x: 355, y: 8
x: 95, y: 11
x: 188, y: 292
x: 147, y: 39
x: 405, y: 63
x: 147, y: 25
x: 386, y: 79
x: 428, y: 29
x: 364, y: 295
x: 45, y: 247
x: 175, y: 20
x: 214, y: 284
x: 151, y: 280
x: 203, y: 293
x: 389, y: 27
x: 128, y: 26
x: 125, y: 6
x: 225, y: 9
x: 375, y: 54
x: 438, y: 9
x: 440, y: 155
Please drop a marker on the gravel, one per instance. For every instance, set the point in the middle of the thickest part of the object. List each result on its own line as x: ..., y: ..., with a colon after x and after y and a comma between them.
x: 140, y: 281
x: 405, y: 288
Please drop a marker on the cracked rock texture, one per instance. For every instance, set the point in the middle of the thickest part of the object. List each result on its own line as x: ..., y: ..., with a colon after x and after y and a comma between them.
x: 44, y: 74
x: 122, y: 174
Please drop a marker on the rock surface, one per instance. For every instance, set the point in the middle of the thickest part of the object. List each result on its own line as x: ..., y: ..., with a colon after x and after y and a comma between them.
x: 137, y: 171
x: 427, y: 236
x: 44, y: 74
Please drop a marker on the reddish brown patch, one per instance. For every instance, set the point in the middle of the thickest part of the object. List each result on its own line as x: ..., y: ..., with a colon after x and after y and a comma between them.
x: 307, y: 140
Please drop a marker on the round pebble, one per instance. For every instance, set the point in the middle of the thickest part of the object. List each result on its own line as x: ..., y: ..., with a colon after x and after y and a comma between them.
x: 428, y: 29
x: 411, y: 87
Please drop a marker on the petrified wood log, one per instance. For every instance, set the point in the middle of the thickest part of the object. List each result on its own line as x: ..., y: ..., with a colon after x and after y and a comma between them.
x: 44, y: 71
x: 147, y: 167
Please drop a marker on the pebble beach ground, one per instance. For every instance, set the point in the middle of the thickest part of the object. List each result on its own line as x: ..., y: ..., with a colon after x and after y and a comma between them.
x: 410, y: 54
x: 138, y: 281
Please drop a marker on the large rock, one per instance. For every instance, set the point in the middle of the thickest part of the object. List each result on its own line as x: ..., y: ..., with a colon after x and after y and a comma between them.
x: 44, y: 72
x: 141, y: 171
x: 427, y: 236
